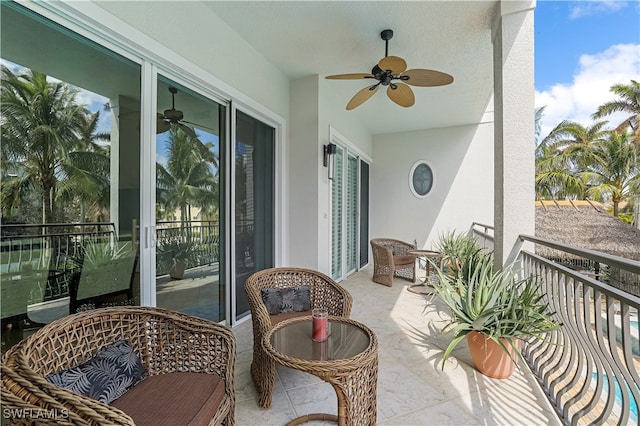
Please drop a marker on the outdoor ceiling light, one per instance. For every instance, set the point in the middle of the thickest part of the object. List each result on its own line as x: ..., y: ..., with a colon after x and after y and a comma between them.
x: 329, y: 154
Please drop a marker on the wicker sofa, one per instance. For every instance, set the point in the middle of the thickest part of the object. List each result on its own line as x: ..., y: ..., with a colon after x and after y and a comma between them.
x: 324, y: 292
x: 391, y: 259
x: 189, y: 363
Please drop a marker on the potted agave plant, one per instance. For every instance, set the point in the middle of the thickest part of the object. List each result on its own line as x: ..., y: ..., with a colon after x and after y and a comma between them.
x: 494, y: 310
x: 459, y: 252
x: 178, y: 253
x: 107, y: 268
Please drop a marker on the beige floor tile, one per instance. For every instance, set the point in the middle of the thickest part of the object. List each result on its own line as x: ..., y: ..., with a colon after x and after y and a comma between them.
x: 413, y: 389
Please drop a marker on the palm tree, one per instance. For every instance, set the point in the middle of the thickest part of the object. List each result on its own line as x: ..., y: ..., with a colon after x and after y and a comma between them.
x: 538, y: 120
x: 575, y: 142
x: 554, y: 181
x: 40, y: 125
x: 188, y: 177
x: 91, y: 188
x: 563, y: 155
x: 628, y: 101
x: 615, y: 173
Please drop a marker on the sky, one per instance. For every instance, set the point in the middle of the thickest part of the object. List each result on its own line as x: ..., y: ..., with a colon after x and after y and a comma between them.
x: 582, y: 48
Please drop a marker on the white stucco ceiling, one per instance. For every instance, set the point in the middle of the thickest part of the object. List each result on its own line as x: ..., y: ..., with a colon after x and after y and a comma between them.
x: 305, y: 38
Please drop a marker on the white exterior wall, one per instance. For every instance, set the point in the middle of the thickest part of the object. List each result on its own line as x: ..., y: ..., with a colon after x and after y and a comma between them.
x: 315, y: 109
x: 305, y: 164
x: 461, y: 159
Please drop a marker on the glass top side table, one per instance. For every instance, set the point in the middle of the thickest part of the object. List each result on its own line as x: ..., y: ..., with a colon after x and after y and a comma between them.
x: 348, y: 360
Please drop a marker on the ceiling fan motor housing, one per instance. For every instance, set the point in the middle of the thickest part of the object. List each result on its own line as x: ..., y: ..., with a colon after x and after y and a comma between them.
x: 386, y: 72
x: 173, y: 115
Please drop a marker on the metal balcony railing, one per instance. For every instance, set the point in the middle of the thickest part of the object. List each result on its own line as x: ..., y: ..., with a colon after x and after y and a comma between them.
x: 53, y: 248
x: 589, y: 368
x: 202, y: 237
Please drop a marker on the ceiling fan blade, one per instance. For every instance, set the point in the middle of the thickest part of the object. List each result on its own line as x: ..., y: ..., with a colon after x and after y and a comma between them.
x: 200, y: 126
x: 402, y: 94
x: 362, y: 96
x: 353, y: 76
x: 426, y: 78
x: 188, y: 130
x: 162, y: 125
x: 396, y: 64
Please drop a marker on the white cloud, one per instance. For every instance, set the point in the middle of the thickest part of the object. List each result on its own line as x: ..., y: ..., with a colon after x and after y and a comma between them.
x: 91, y: 100
x: 591, y: 85
x: 595, y: 7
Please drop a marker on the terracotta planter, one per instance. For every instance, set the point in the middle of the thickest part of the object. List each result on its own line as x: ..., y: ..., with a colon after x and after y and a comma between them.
x: 489, y: 358
x: 177, y: 269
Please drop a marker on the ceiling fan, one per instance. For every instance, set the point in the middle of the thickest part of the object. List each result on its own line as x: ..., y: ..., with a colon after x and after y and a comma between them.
x: 391, y: 71
x: 173, y: 118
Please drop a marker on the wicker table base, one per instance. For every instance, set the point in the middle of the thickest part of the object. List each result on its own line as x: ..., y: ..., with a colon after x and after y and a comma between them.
x: 423, y: 289
x: 322, y: 417
x: 348, y: 361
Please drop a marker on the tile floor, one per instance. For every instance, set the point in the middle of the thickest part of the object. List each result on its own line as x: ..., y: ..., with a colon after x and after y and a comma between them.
x: 412, y: 387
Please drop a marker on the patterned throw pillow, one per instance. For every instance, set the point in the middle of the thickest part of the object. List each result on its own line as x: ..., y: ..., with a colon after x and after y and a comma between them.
x: 105, y: 377
x: 283, y: 300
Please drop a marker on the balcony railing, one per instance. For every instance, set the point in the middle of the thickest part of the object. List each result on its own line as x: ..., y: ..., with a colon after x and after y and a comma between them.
x: 49, y: 249
x: 589, y: 368
x: 203, y: 237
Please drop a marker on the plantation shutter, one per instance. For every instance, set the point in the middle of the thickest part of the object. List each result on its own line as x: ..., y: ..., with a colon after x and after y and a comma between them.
x: 352, y: 213
x: 337, y: 215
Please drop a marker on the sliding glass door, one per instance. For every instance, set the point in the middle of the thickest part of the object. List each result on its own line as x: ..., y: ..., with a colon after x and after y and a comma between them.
x: 253, y: 204
x: 348, y: 217
x: 190, y: 130
x: 364, y: 214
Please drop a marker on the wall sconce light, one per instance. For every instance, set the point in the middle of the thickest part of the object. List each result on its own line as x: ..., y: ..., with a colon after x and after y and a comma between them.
x: 329, y: 154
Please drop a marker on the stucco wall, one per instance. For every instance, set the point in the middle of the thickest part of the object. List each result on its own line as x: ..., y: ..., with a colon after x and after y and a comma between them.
x: 314, y: 109
x: 304, y: 165
x: 461, y: 159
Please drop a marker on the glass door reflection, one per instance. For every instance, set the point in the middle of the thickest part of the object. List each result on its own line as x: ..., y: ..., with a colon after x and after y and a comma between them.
x: 190, y: 129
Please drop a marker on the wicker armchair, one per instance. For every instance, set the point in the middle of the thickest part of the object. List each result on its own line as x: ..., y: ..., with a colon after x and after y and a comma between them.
x: 165, y: 341
x: 325, y: 293
x: 391, y: 259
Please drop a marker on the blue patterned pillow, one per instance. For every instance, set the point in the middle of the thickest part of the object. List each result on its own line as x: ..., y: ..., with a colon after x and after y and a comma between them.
x: 105, y: 377
x: 283, y: 300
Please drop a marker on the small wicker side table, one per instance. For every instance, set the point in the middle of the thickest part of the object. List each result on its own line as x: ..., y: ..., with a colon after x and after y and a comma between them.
x: 423, y: 287
x: 348, y: 360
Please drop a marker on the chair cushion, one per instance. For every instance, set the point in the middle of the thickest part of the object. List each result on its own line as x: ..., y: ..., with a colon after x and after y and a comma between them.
x: 105, y: 377
x: 284, y: 300
x: 281, y: 317
x: 403, y: 260
x: 174, y: 399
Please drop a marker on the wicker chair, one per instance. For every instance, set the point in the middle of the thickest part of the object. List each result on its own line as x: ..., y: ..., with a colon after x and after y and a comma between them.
x: 165, y: 341
x: 325, y: 293
x: 391, y: 259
